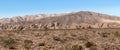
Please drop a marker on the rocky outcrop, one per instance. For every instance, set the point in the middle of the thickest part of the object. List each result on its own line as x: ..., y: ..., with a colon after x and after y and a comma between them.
x: 101, y: 25
x: 54, y: 26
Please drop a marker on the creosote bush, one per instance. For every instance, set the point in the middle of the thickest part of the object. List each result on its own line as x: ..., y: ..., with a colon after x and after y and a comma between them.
x: 28, y: 44
x: 41, y: 44
x: 89, y: 44
x: 76, y: 47
x: 10, y: 43
x: 62, y: 40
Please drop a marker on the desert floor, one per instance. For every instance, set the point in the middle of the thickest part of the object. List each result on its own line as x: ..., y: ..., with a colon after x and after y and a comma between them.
x: 74, y: 39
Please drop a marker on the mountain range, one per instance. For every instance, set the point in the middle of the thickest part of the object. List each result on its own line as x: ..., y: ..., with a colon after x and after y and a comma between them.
x: 73, y: 20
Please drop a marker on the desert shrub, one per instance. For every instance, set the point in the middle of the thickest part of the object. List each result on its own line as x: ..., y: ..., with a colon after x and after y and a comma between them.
x: 93, y: 48
x: 73, y: 35
x: 12, y: 48
x: 28, y: 44
x: 89, y: 44
x: 10, y: 43
x: 62, y: 40
x: 41, y: 44
x: 77, y: 47
x: 110, y: 47
x: 83, y: 38
x: 47, y: 47
x: 56, y: 38
x: 117, y: 34
x: 37, y: 35
x: 104, y: 34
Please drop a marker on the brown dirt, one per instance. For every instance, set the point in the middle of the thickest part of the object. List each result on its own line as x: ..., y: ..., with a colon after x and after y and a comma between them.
x: 81, y: 39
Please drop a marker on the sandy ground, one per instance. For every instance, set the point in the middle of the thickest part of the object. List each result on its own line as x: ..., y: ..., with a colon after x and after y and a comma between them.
x: 82, y: 39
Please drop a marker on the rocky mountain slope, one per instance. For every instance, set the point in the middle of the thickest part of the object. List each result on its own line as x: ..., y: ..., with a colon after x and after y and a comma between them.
x: 74, y: 20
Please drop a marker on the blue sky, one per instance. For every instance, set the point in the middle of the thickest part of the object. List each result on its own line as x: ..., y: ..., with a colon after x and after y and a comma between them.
x: 11, y: 8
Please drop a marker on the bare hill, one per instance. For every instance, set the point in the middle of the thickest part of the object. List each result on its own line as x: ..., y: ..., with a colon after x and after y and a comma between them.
x: 82, y: 19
